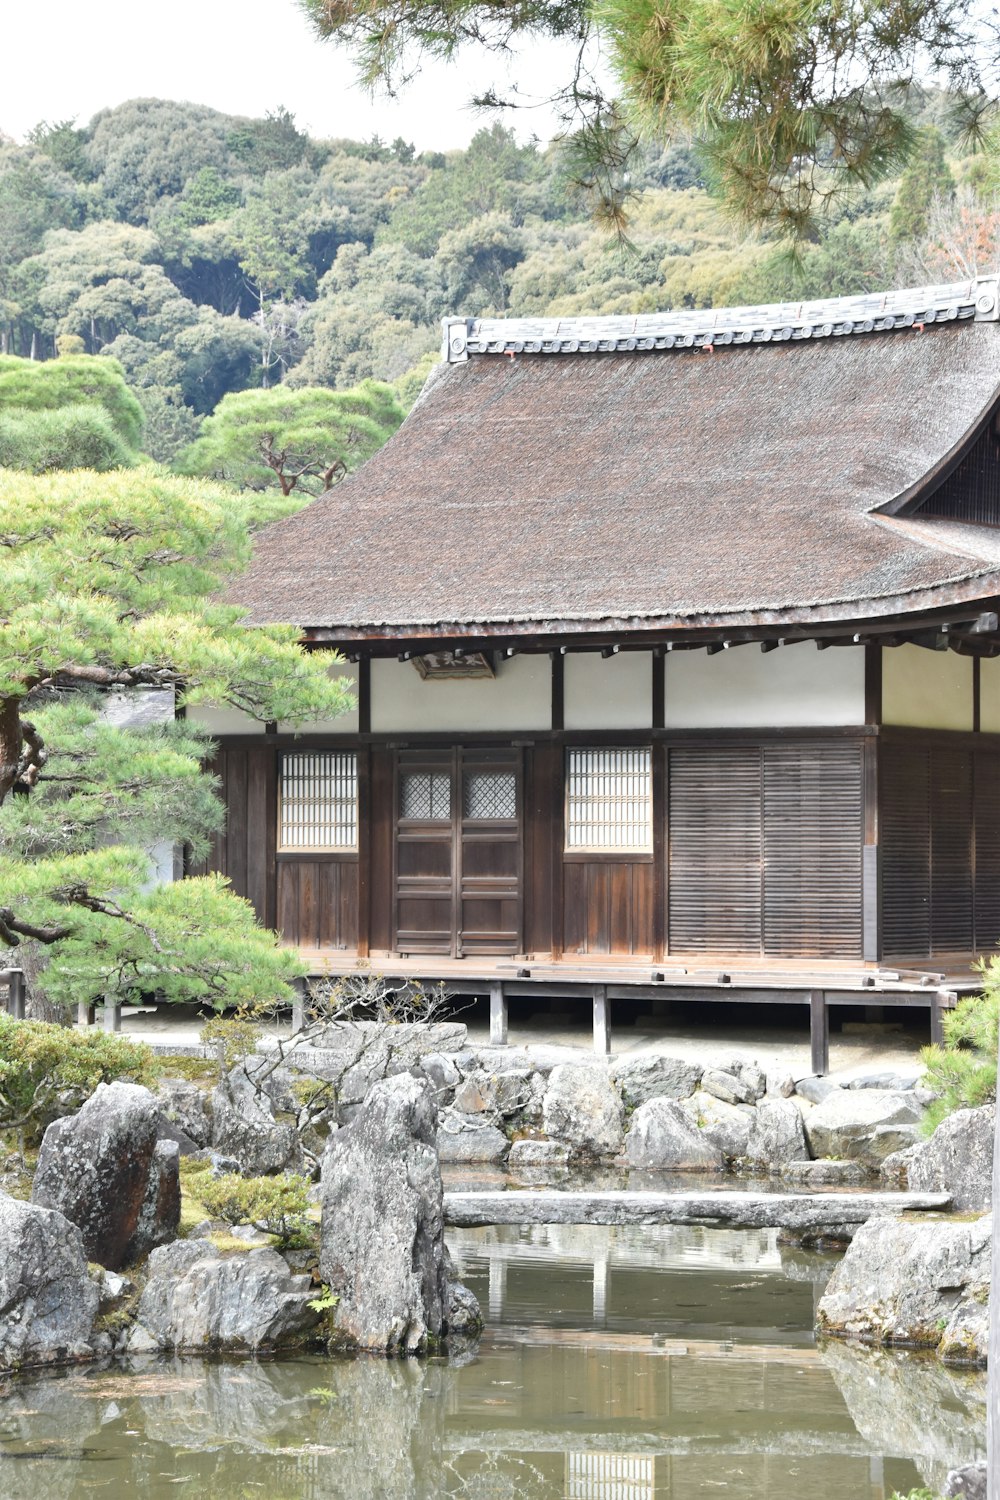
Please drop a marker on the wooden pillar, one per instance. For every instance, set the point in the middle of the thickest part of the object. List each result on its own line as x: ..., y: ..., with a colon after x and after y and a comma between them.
x: 993, y: 1373
x: 937, y: 1018
x: 819, y: 1032
x: 83, y: 1014
x: 112, y: 1018
x: 602, y: 1021
x: 498, y: 1015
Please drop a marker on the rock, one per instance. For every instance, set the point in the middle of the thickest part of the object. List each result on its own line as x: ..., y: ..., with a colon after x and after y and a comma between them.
x: 527, y: 1153
x: 382, y: 1241
x: 863, y: 1124
x: 890, y: 1082
x: 166, y: 1130
x: 47, y: 1299
x: 824, y: 1173
x: 902, y: 1281
x: 754, y: 1078
x: 245, y: 1130
x: 968, y: 1482
x: 661, y: 1137
x: 185, y: 1105
x: 113, y: 1290
x: 501, y: 1094
x: 958, y: 1159
x: 103, y: 1169
x: 728, y: 1087
x: 654, y: 1077
x: 727, y: 1126
x: 408, y: 1040
x: 966, y: 1336
x: 198, y: 1299
x: 780, y: 1084
x: 468, y: 1138
x: 442, y: 1075
x: 776, y: 1135
x: 464, y: 1314
x: 582, y: 1108
x: 816, y: 1089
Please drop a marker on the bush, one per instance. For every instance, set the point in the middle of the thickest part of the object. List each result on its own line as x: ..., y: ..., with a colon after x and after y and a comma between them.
x: 47, y: 1071
x: 964, y: 1070
x: 274, y: 1205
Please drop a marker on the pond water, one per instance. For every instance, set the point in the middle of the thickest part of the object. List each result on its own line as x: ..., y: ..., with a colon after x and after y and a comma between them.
x: 619, y: 1364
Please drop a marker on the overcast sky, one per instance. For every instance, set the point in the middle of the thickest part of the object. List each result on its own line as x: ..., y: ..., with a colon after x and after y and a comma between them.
x: 65, y: 59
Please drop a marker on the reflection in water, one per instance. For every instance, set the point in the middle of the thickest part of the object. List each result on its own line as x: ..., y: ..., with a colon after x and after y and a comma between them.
x: 620, y: 1364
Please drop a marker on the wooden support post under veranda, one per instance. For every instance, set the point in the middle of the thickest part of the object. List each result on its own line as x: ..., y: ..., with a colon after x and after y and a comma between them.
x: 993, y: 1372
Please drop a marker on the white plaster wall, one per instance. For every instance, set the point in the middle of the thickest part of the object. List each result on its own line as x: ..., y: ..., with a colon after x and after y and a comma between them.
x: 347, y: 723
x: 926, y: 689
x: 223, y: 720
x: 519, y: 697
x: 232, y: 721
x: 989, y: 695
x: 614, y: 692
x: 745, y: 688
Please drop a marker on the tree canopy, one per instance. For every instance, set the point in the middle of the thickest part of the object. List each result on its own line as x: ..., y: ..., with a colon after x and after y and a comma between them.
x: 787, y: 101
x: 109, y: 582
x: 302, y: 440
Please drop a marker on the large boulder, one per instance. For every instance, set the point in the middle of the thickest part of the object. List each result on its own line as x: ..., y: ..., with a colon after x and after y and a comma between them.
x: 382, y: 1245
x: 198, y: 1299
x: 777, y: 1136
x: 727, y: 1126
x: 244, y: 1126
x: 921, y: 1282
x: 655, y: 1077
x: 469, y: 1138
x: 185, y: 1106
x: 583, y: 1108
x: 48, y: 1302
x: 957, y: 1159
x: 661, y: 1137
x: 863, y: 1124
x: 105, y: 1171
x: 967, y: 1483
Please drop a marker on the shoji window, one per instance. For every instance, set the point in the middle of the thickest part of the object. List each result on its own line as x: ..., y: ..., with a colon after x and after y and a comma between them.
x: 318, y: 800
x: 609, y: 800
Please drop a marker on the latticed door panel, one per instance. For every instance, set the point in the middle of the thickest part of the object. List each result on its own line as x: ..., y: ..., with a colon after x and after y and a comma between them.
x: 490, y: 852
x: 714, y: 824
x: 458, y: 854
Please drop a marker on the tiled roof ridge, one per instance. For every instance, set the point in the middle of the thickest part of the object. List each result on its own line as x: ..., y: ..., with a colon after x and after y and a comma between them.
x: 977, y: 299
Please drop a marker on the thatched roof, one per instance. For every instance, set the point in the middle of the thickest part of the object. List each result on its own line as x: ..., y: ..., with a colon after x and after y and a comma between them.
x: 616, y: 489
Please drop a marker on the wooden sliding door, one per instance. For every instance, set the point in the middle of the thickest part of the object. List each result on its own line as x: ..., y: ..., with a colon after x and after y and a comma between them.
x: 458, y: 852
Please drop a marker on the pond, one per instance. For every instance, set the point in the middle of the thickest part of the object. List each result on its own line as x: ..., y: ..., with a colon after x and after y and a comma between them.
x: 619, y: 1364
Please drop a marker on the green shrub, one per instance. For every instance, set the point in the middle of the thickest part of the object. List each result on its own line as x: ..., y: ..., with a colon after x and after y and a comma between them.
x: 238, y: 1034
x: 964, y: 1070
x: 274, y: 1205
x: 47, y: 1071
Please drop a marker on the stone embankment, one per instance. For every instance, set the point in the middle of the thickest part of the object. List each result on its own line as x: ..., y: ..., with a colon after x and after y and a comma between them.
x: 654, y: 1114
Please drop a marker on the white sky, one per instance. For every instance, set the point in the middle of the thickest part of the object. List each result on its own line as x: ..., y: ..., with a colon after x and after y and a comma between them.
x: 70, y: 58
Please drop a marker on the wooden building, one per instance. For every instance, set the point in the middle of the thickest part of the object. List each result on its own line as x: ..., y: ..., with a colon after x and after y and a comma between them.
x: 676, y: 656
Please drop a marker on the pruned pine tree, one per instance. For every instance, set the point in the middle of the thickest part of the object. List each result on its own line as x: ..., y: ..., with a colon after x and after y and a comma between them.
x: 789, y: 102
x: 110, y: 582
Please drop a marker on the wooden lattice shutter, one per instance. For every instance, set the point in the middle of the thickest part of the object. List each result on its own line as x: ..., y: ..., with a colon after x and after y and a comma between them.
x: 951, y: 851
x: 905, y: 799
x: 812, y: 851
x: 715, y: 850
x: 987, y: 850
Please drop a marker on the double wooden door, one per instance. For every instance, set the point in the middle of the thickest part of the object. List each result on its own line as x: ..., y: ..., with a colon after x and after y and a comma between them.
x: 458, y: 852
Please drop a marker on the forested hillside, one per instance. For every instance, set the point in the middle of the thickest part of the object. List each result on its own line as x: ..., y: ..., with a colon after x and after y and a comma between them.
x: 209, y: 254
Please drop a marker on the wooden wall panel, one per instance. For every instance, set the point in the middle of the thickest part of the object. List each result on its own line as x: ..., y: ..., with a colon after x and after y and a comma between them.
x: 245, y: 850
x: 813, y: 840
x: 541, y: 767
x: 714, y: 820
x: 987, y: 850
x: 608, y: 907
x: 380, y: 851
x: 317, y: 902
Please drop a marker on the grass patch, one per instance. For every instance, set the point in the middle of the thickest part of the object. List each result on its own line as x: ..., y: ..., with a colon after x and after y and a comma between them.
x: 192, y: 1069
